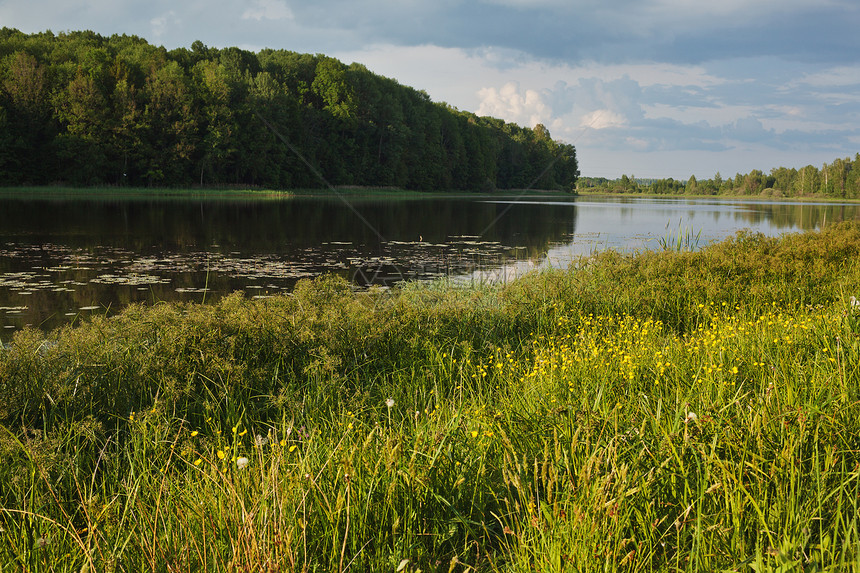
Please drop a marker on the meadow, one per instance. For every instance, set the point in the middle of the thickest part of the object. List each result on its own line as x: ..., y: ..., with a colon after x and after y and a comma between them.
x: 659, y: 411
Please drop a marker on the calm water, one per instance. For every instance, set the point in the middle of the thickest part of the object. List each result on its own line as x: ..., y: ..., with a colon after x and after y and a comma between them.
x: 65, y: 259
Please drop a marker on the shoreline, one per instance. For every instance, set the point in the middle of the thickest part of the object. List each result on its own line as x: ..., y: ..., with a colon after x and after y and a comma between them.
x: 752, y: 198
x: 354, y: 191
x: 50, y: 192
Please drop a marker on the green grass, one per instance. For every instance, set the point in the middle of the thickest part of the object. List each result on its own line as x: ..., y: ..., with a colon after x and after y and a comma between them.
x: 57, y: 192
x: 240, y: 193
x: 665, y: 411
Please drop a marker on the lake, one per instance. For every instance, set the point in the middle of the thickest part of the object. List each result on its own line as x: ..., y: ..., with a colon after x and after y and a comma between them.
x: 64, y: 259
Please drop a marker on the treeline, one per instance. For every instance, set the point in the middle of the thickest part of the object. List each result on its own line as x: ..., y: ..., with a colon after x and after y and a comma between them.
x: 83, y: 109
x: 839, y: 179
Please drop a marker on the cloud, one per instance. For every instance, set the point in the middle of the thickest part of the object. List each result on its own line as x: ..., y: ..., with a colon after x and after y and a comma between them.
x: 160, y: 25
x: 527, y: 4
x: 526, y: 108
x: 748, y: 129
x: 836, y: 76
x: 268, y: 10
x: 759, y: 105
x: 576, y: 31
x: 603, y: 119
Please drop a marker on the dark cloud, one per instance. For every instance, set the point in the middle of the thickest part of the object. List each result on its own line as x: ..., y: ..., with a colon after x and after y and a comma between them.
x: 748, y: 129
x: 580, y: 30
x: 684, y: 96
x: 821, y: 34
x: 605, y: 32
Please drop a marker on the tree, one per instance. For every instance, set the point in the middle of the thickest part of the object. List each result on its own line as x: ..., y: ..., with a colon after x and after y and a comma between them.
x: 85, y: 114
x: 808, y: 181
x: 29, y: 118
x: 171, y: 126
x: 334, y: 91
x: 7, y: 166
x: 541, y: 133
x: 217, y: 121
x: 753, y: 183
x: 852, y: 177
x: 692, y: 185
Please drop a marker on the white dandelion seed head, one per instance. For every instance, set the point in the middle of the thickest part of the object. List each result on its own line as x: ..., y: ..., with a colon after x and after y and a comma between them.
x: 390, y: 403
x: 692, y: 417
x: 242, y: 462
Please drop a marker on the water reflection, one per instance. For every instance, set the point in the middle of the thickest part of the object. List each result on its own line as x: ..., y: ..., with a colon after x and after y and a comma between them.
x: 633, y: 223
x: 62, y: 259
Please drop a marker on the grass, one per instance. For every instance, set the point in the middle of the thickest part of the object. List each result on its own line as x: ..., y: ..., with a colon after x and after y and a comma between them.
x: 243, y: 193
x: 666, y: 411
x: 115, y: 193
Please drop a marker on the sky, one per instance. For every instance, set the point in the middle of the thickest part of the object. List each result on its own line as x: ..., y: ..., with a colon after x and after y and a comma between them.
x: 646, y: 88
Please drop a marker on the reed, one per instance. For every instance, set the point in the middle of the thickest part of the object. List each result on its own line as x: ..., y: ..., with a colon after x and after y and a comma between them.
x: 684, y: 239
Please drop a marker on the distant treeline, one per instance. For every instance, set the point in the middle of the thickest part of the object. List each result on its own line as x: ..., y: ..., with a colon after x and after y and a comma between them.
x: 82, y: 109
x: 839, y: 179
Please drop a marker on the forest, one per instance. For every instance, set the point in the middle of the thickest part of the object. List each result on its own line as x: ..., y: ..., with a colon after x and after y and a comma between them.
x: 839, y: 179
x: 82, y: 109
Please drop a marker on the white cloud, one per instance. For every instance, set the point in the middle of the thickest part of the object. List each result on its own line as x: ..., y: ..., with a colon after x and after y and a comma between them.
x: 638, y: 143
x: 630, y: 108
x: 713, y: 115
x: 448, y: 74
x: 838, y: 76
x: 268, y: 10
x: 602, y: 119
x: 695, y: 8
x: 162, y: 24
x: 527, y: 4
x: 526, y: 108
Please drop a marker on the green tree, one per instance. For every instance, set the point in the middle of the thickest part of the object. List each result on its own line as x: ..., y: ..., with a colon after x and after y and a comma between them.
x: 7, y: 166
x: 29, y: 117
x: 692, y: 187
x: 784, y: 179
x: 85, y: 114
x: 753, y: 183
x: 852, y: 177
x: 170, y: 123
x: 217, y: 120
x: 331, y: 86
x: 808, y: 181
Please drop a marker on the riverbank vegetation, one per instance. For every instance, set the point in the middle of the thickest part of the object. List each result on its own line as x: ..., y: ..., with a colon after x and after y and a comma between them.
x: 219, y: 193
x: 661, y: 411
x: 81, y: 109
x: 838, y: 180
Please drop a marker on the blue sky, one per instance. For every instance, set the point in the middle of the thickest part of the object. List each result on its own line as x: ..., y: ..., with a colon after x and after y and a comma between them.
x: 651, y: 88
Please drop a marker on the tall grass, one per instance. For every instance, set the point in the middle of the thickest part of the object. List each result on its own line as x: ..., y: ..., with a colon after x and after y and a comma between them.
x: 659, y: 412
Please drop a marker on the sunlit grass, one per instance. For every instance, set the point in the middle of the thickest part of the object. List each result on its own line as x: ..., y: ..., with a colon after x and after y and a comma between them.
x: 660, y: 412
x: 146, y: 193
